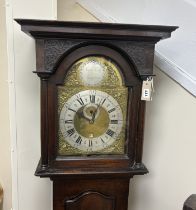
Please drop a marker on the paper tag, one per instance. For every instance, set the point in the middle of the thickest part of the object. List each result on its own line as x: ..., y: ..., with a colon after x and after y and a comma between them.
x: 147, y: 89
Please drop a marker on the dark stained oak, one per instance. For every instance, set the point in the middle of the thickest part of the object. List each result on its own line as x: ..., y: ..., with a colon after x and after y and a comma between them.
x: 91, y: 182
x: 106, y: 194
x: 89, y: 200
x: 64, y: 29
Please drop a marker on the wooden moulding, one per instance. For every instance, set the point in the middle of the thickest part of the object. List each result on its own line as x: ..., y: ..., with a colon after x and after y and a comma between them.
x: 64, y: 29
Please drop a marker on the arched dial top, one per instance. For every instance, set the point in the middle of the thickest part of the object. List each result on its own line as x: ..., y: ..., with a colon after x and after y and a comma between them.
x: 94, y: 71
x: 92, y: 107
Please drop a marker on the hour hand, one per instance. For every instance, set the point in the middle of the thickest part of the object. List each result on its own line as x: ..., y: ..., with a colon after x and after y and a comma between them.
x: 81, y: 115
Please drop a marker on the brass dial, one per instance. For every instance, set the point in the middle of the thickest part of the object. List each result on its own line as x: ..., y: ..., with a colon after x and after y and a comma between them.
x: 91, y: 120
x: 85, y: 125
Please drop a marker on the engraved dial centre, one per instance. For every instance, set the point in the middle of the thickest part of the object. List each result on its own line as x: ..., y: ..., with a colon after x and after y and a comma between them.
x: 88, y: 127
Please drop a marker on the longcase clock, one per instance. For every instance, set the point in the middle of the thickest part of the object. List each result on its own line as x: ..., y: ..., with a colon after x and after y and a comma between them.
x: 92, y: 115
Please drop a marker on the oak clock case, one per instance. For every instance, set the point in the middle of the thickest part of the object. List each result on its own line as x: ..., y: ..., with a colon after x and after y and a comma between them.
x: 92, y: 116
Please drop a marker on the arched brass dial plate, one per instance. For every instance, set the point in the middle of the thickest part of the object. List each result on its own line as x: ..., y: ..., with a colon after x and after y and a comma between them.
x: 92, y: 106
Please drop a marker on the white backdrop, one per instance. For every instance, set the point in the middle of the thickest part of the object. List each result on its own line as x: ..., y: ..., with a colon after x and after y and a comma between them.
x: 29, y: 192
x: 176, y: 55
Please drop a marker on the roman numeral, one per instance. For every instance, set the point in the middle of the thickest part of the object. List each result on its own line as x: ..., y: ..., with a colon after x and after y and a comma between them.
x: 110, y: 132
x: 72, y: 110
x: 80, y: 101
x: 69, y: 121
x: 102, y: 140
x: 111, y: 110
x: 90, y: 143
x: 103, y: 101
x: 92, y: 98
x: 79, y: 140
x: 114, y: 122
x: 71, y: 132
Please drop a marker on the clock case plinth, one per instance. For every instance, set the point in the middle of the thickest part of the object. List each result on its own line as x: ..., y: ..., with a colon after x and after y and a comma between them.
x: 79, y: 182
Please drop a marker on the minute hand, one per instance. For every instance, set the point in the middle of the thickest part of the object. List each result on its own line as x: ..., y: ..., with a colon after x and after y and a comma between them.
x: 94, y: 114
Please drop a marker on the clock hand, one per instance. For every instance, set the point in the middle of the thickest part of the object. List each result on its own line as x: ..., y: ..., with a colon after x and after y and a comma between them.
x: 92, y: 119
x: 81, y: 115
x: 94, y: 113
